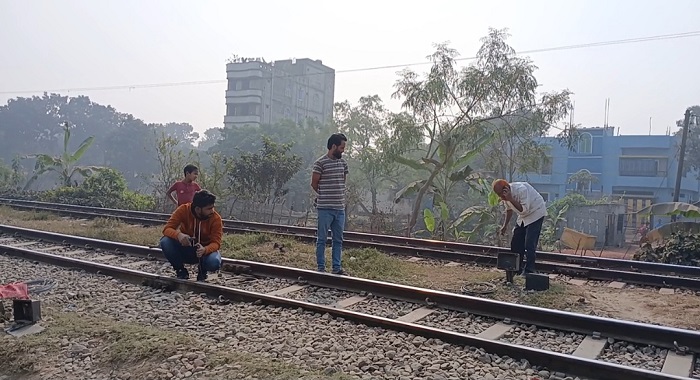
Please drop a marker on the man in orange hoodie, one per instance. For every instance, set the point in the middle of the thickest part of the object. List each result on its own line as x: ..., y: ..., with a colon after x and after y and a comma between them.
x: 193, y: 235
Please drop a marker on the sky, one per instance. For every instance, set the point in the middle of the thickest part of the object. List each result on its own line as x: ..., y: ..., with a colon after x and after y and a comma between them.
x: 83, y: 45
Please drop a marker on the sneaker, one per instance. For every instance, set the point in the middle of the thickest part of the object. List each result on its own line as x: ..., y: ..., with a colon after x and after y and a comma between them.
x: 202, y: 276
x: 340, y: 272
x: 182, y: 273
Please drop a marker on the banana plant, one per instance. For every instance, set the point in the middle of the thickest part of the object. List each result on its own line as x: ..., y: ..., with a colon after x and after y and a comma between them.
x: 444, y: 172
x: 65, y: 164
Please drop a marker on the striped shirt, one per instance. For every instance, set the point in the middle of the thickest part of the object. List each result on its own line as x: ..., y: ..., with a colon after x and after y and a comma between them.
x: 331, y: 186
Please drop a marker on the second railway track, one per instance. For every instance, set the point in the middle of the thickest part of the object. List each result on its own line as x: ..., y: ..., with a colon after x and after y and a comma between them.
x: 570, y: 344
x: 592, y: 268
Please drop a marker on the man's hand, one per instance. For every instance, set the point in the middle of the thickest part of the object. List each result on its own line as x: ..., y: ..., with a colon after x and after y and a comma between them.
x: 184, y: 239
x: 200, y: 250
x: 506, y: 195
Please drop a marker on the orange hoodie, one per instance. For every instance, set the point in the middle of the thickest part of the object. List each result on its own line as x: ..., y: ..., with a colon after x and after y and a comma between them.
x: 207, y: 232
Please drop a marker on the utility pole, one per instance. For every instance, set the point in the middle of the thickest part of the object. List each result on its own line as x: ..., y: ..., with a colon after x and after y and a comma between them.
x: 681, y: 158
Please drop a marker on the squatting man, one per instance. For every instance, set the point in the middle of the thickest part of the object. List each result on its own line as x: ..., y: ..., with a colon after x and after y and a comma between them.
x: 524, y: 200
x: 193, y: 235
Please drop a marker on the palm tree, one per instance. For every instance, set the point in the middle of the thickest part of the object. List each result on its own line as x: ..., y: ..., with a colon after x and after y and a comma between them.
x: 64, y: 164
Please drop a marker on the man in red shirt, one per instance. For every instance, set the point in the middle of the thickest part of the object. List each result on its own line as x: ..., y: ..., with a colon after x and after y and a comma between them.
x: 186, y: 188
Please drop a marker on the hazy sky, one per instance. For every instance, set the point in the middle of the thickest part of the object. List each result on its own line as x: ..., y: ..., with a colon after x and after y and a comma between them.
x: 49, y: 45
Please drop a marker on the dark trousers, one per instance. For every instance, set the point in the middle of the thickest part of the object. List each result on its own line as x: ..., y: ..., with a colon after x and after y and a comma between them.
x: 524, y: 243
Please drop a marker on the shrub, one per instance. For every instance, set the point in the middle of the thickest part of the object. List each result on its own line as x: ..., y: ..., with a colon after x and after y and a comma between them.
x: 682, y: 248
x: 106, y: 188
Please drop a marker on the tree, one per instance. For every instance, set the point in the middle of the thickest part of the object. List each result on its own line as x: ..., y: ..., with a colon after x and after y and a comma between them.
x: 583, y: 179
x: 171, y: 161
x: 33, y: 124
x: 692, y: 146
x: 215, y: 176
x: 65, y: 164
x: 515, y: 148
x: 454, y: 111
x: 183, y: 133
x: 211, y: 137
x: 261, y: 177
x: 369, y: 134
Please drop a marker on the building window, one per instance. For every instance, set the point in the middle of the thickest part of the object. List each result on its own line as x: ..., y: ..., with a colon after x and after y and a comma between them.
x: 585, y: 143
x: 642, y: 167
x: 316, y: 102
x: 288, y: 91
x: 546, y: 166
x: 300, y: 96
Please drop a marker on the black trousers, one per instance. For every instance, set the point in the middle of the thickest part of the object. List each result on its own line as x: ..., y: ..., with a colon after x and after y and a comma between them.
x: 524, y: 243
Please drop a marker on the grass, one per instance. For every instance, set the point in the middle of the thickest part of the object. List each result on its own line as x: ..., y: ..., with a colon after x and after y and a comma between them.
x: 119, y: 342
x: 365, y: 263
x: 132, y: 347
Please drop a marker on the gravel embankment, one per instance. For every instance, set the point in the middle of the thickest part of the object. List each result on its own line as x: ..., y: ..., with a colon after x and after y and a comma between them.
x: 309, y: 341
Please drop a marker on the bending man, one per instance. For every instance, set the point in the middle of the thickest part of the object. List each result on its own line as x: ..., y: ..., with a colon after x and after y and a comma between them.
x: 193, y: 235
x: 524, y: 200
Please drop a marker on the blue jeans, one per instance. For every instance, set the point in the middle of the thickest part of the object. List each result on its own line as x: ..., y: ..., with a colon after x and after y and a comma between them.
x: 524, y: 242
x: 178, y: 255
x: 335, y: 221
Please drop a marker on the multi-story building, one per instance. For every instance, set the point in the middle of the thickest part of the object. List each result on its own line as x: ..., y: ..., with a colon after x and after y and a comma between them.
x: 265, y: 93
x: 639, y: 169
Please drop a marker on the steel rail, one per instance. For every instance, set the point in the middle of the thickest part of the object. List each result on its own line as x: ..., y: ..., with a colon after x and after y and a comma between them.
x: 554, y: 361
x: 415, y: 245
x: 635, y: 272
x: 662, y: 336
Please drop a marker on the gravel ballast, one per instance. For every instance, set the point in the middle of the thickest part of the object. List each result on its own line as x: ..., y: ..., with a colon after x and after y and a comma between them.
x: 628, y: 354
x: 546, y: 339
x: 310, y: 341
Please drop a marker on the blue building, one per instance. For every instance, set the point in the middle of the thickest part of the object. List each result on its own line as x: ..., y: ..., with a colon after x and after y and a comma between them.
x: 640, y: 169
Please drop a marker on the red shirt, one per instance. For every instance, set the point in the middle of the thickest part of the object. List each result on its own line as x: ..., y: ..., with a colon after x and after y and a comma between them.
x: 185, y: 191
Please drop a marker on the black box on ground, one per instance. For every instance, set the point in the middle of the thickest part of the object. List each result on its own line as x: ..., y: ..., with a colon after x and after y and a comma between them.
x: 26, y: 310
x: 535, y: 281
x: 508, y: 261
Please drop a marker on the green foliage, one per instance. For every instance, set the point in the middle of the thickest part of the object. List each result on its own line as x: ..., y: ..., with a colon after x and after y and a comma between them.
x: 682, y: 248
x: 686, y: 210
x: 429, y: 219
x: 583, y: 179
x: 369, y: 134
x: 172, y: 158
x: 454, y: 115
x: 262, y: 176
x: 64, y: 164
x: 214, y: 177
x: 556, y: 216
x: 107, y: 189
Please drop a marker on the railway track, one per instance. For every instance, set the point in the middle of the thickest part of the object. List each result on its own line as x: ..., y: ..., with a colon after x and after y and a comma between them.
x: 615, y: 272
x: 566, y: 344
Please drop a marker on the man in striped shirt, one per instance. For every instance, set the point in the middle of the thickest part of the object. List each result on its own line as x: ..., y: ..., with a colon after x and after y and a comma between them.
x: 328, y: 181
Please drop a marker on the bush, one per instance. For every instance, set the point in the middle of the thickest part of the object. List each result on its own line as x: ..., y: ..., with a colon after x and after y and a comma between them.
x: 682, y: 248
x: 107, y: 188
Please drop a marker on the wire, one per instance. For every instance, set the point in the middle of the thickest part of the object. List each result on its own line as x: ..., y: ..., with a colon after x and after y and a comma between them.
x: 363, y: 69
x: 40, y: 286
